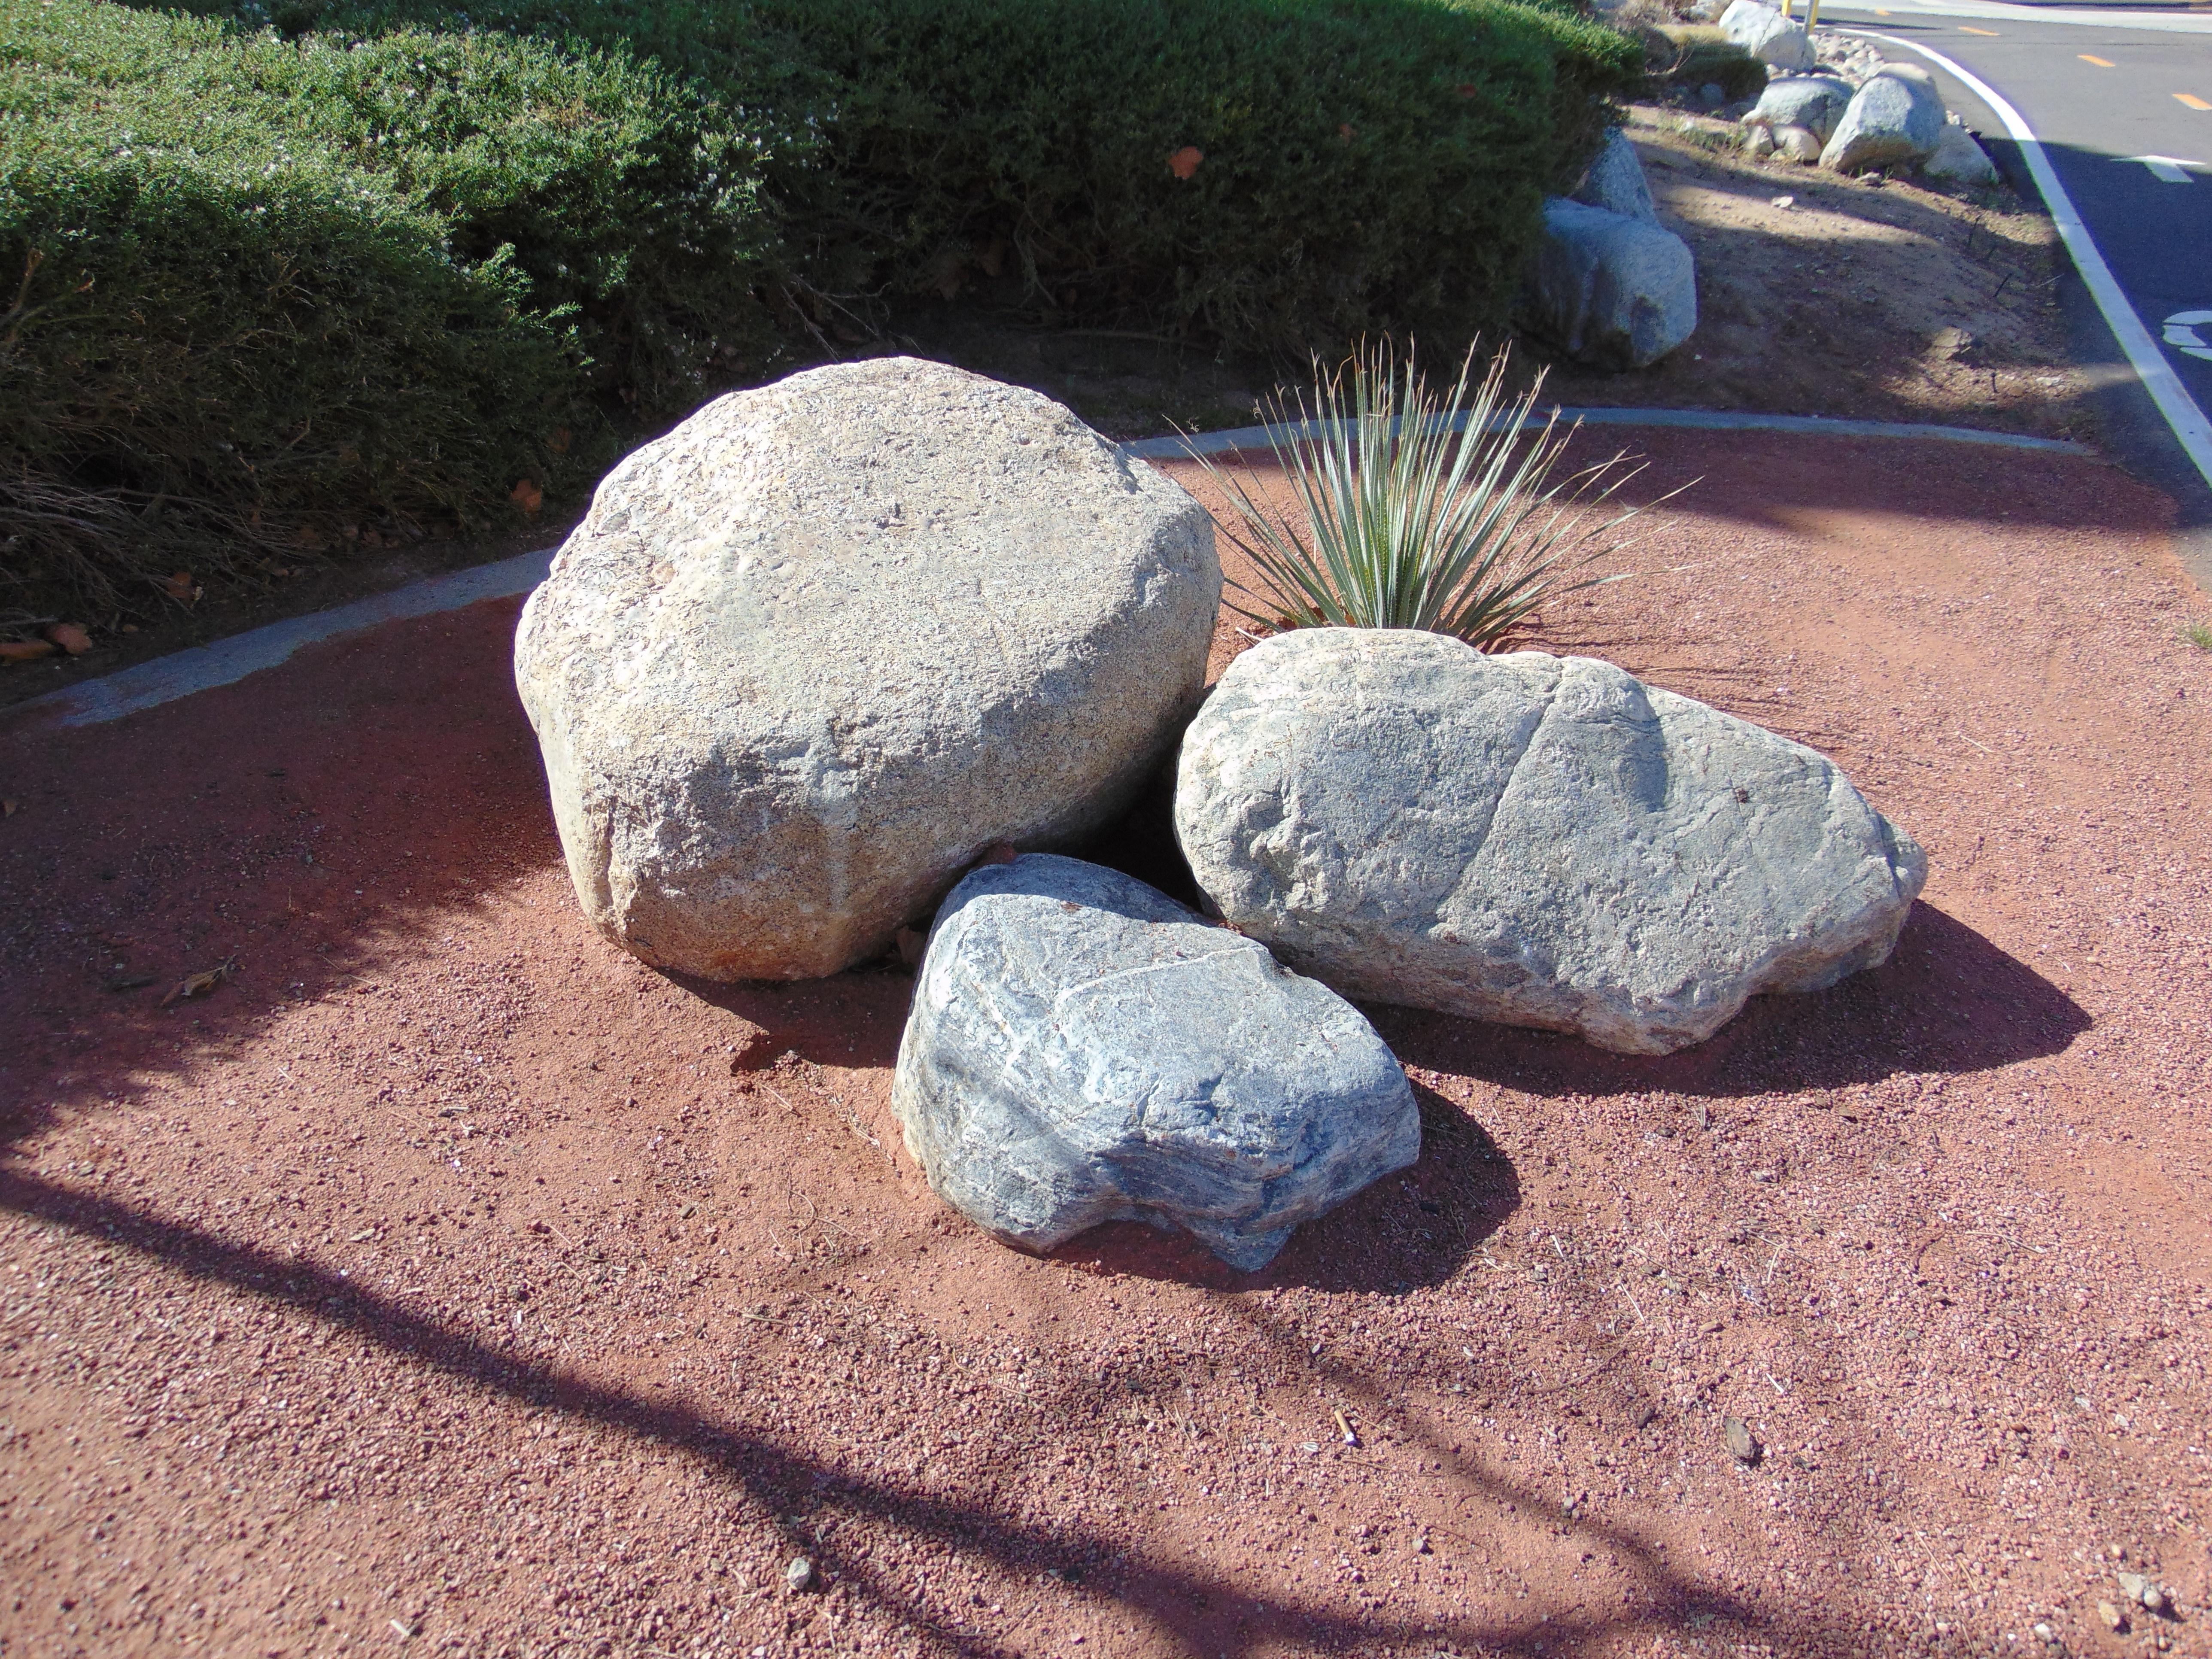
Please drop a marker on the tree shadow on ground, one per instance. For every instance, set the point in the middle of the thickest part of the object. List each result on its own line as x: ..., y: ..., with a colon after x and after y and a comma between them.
x: 1948, y: 1001
x: 809, y: 1497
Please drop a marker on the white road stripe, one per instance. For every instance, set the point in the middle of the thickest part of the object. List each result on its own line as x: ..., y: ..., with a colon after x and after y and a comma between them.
x: 2187, y: 421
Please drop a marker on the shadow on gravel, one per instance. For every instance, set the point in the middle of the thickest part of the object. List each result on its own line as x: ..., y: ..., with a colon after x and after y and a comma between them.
x: 810, y: 1500
x: 1408, y: 1232
x: 1948, y: 1001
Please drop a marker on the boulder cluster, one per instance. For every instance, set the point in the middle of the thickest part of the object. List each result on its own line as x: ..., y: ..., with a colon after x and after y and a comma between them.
x: 1836, y: 103
x: 858, y: 652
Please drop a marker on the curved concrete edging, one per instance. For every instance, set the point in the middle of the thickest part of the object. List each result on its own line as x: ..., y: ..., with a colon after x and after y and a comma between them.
x: 225, y: 661
x: 1702, y: 420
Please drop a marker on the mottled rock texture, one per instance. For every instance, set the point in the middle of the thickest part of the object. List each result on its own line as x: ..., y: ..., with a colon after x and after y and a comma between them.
x: 1541, y: 841
x: 1616, y: 183
x: 1610, y: 290
x: 1082, y: 1049
x: 1767, y: 35
x: 1896, y: 115
x: 816, y: 648
x: 1814, y: 102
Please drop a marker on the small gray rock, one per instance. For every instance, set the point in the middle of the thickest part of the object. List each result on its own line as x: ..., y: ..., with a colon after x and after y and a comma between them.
x: 1742, y: 1445
x: 1536, y: 840
x: 1611, y: 291
x: 1082, y: 1049
x: 1897, y: 116
x: 1767, y: 35
x: 1815, y: 102
x: 1616, y: 183
x: 1959, y: 158
x: 799, y: 1575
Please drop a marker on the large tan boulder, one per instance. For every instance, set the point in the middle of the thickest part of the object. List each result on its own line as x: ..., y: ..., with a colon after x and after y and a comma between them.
x: 815, y: 650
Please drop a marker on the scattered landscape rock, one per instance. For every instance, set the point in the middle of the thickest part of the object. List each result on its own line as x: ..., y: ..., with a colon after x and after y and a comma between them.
x: 1616, y: 183
x: 1957, y: 156
x: 1798, y: 144
x: 1814, y: 102
x: 1896, y: 115
x: 1741, y: 1444
x: 1847, y: 55
x: 1760, y: 143
x: 816, y: 648
x: 799, y: 1575
x: 1767, y: 35
x: 2143, y: 1590
x: 1082, y: 1049
x: 1536, y: 840
x: 2111, y: 1617
x: 1610, y: 290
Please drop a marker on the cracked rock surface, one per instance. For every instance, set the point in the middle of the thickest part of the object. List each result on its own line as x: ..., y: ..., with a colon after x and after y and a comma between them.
x: 1082, y: 1049
x: 1535, y: 840
x: 819, y: 645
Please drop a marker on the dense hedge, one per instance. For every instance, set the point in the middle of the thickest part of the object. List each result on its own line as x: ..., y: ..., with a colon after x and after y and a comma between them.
x: 341, y: 257
x: 270, y: 289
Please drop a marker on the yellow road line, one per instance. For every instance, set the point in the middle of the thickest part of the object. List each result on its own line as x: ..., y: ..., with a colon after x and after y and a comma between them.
x: 1963, y: 29
x: 2192, y: 101
x: 2101, y: 62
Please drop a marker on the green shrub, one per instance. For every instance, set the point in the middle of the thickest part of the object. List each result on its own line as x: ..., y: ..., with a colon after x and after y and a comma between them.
x: 267, y: 288
x: 1368, y: 164
x: 297, y: 265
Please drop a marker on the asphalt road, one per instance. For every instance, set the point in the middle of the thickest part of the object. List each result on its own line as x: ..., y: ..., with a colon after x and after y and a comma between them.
x: 2100, y: 89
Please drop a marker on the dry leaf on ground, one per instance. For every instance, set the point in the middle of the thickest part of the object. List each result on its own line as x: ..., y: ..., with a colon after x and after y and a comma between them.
x: 71, y: 637
x: 528, y: 496
x: 25, y: 650
x: 199, y: 984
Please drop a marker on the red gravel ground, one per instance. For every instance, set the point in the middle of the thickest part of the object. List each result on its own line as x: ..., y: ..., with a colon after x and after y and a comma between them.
x: 434, y: 1282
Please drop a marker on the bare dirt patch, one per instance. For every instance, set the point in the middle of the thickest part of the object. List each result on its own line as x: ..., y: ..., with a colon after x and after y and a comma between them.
x: 445, y: 1279
x: 1892, y: 300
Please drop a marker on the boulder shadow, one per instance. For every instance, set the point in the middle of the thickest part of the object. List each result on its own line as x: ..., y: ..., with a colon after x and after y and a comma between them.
x: 1946, y: 1002
x: 853, y: 1018
x: 1142, y: 842
x: 1408, y: 1231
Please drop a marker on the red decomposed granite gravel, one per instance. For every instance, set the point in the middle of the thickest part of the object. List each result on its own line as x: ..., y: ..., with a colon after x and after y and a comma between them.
x: 437, y: 1279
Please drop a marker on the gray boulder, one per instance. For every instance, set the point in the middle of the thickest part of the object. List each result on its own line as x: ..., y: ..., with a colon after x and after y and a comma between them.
x: 1798, y: 144
x: 815, y: 649
x: 1616, y: 183
x: 1082, y: 1049
x: 1767, y: 35
x: 1896, y: 115
x: 1541, y: 841
x: 1815, y: 102
x: 1957, y: 156
x: 1611, y: 291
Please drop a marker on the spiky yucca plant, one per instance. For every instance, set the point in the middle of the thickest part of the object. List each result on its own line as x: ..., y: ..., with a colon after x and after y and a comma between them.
x: 1421, y: 511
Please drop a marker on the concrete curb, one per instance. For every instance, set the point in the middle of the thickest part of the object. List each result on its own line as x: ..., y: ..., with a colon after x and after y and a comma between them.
x: 1701, y: 420
x: 205, y: 666
x: 229, y: 660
